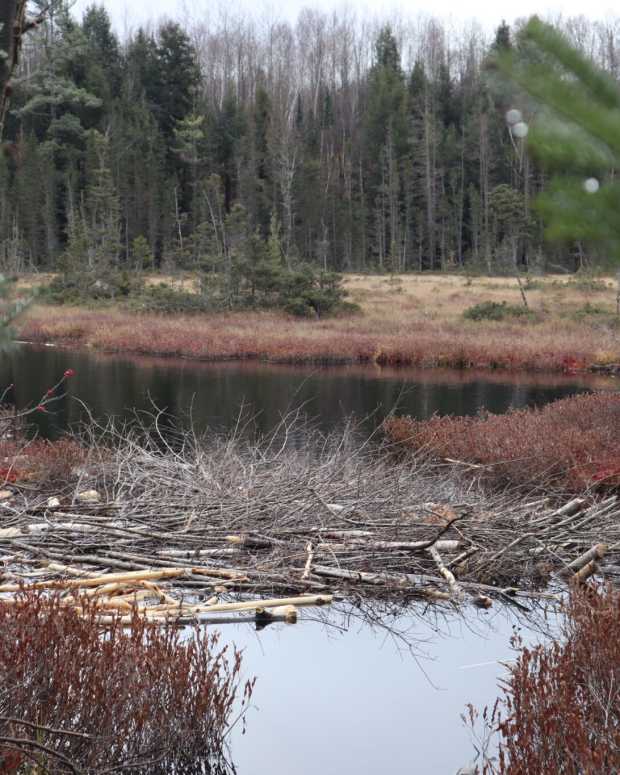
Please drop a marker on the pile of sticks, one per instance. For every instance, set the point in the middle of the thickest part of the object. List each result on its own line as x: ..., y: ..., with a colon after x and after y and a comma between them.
x: 188, y: 531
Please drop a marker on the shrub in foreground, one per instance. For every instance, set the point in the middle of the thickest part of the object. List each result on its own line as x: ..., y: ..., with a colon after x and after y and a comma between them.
x: 560, y: 709
x: 139, y: 699
x: 41, y: 461
x: 571, y: 444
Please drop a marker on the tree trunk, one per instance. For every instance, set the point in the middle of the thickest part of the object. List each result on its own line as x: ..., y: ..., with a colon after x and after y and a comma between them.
x: 12, y: 14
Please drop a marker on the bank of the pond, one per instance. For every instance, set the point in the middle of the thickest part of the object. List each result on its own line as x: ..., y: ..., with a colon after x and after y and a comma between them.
x: 421, y: 340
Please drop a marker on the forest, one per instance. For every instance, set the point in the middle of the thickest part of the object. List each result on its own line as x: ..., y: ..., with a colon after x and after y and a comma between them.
x: 232, y: 145
x: 308, y: 328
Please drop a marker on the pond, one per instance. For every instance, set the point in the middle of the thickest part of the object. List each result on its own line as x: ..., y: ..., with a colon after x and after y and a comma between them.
x: 357, y: 701
x: 212, y: 395
x: 345, y: 696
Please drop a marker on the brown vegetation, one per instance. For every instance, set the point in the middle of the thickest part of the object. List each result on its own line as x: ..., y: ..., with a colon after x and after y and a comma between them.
x: 560, y: 709
x: 408, y: 320
x: 137, y: 700
x: 45, y: 462
x: 571, y: 444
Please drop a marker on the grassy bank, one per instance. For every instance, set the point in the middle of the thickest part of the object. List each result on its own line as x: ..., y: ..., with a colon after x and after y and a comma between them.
x: 405, y: 321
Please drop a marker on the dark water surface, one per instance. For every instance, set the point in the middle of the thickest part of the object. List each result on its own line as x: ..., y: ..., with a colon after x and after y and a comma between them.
x: 327, y: 700
x: 215, y: 393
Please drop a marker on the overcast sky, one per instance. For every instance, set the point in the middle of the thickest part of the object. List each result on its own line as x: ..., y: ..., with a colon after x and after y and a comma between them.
x: 489, y: 13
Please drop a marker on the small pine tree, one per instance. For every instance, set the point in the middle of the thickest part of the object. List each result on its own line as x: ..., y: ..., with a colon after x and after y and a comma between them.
x: 274, y: 243
x: 141, y: 252
x: 9, y: 310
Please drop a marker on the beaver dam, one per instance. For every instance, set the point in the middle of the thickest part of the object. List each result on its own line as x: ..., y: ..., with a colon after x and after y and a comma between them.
x: 210, y: 527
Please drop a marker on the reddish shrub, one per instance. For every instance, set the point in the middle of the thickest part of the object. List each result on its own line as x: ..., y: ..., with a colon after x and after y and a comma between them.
x: 139, y: 699
x: 560, y: 710
x: 571, y: 444
x: 40, y: 460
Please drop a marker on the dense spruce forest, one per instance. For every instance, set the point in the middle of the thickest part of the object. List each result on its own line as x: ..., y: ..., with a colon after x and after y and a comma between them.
x: 334, y: 141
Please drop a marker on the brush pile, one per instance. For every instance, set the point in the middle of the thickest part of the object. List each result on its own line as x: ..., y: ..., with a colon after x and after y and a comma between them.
x: 183, y: 529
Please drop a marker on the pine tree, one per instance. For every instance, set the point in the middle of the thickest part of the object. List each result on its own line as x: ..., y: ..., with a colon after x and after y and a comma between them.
x: 175, y: 78
x: 104, y: 64
x: 386, y: 146
x: 576, y: 135
x: 102, y: 207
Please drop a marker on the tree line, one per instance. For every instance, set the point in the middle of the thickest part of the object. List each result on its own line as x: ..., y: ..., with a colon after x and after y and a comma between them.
x: 237, y: 147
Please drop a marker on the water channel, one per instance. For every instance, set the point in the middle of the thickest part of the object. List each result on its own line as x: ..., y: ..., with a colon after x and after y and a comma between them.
x: 344, y: 696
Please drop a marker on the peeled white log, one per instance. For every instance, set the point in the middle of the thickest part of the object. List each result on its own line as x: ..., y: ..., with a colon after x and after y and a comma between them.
x: 597, y: 552
x: 308, y: 565
x: 455, y: 587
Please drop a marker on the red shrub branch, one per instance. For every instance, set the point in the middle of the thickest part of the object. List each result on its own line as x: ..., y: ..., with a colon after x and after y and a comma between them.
x: 560, y: 710
x: 139, y: 699
x: 42, y: 461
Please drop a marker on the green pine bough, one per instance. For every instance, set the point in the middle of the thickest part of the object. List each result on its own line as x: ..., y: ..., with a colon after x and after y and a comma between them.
x: 574, y: 134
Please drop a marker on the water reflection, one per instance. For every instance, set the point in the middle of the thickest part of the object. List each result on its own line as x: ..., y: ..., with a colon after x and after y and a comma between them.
x: 212, y: 394
x: 352, y: 697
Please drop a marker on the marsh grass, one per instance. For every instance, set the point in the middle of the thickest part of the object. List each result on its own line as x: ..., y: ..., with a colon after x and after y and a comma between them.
x: 408, y: 320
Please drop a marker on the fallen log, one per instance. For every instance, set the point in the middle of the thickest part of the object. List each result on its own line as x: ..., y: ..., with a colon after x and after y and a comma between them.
x: 455, y: 587
x: 597, y: 552
x: 381, y: 579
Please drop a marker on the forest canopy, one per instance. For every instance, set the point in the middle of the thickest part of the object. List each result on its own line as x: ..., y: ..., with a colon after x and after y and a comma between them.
x: 235, y: 147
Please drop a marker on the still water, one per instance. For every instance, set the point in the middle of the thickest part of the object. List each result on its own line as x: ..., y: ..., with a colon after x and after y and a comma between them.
x: 213, y: 394
x: 358, y: 702
x: 348, y: 697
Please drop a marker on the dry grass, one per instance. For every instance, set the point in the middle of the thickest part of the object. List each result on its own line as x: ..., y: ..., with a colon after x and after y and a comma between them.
x: 446, y: 297
x: 413, y: 320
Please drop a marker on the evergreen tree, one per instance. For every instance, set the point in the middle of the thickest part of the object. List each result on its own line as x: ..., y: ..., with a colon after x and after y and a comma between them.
x: 175, y: 77
x: 576, y: 135
x: 386, y: 145
x: 103, y: 71
x: 360, y: 165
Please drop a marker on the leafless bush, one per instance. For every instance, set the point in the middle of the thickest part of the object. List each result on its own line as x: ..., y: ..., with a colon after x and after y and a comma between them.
x: 76, y: 699
x: 560, y: 708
